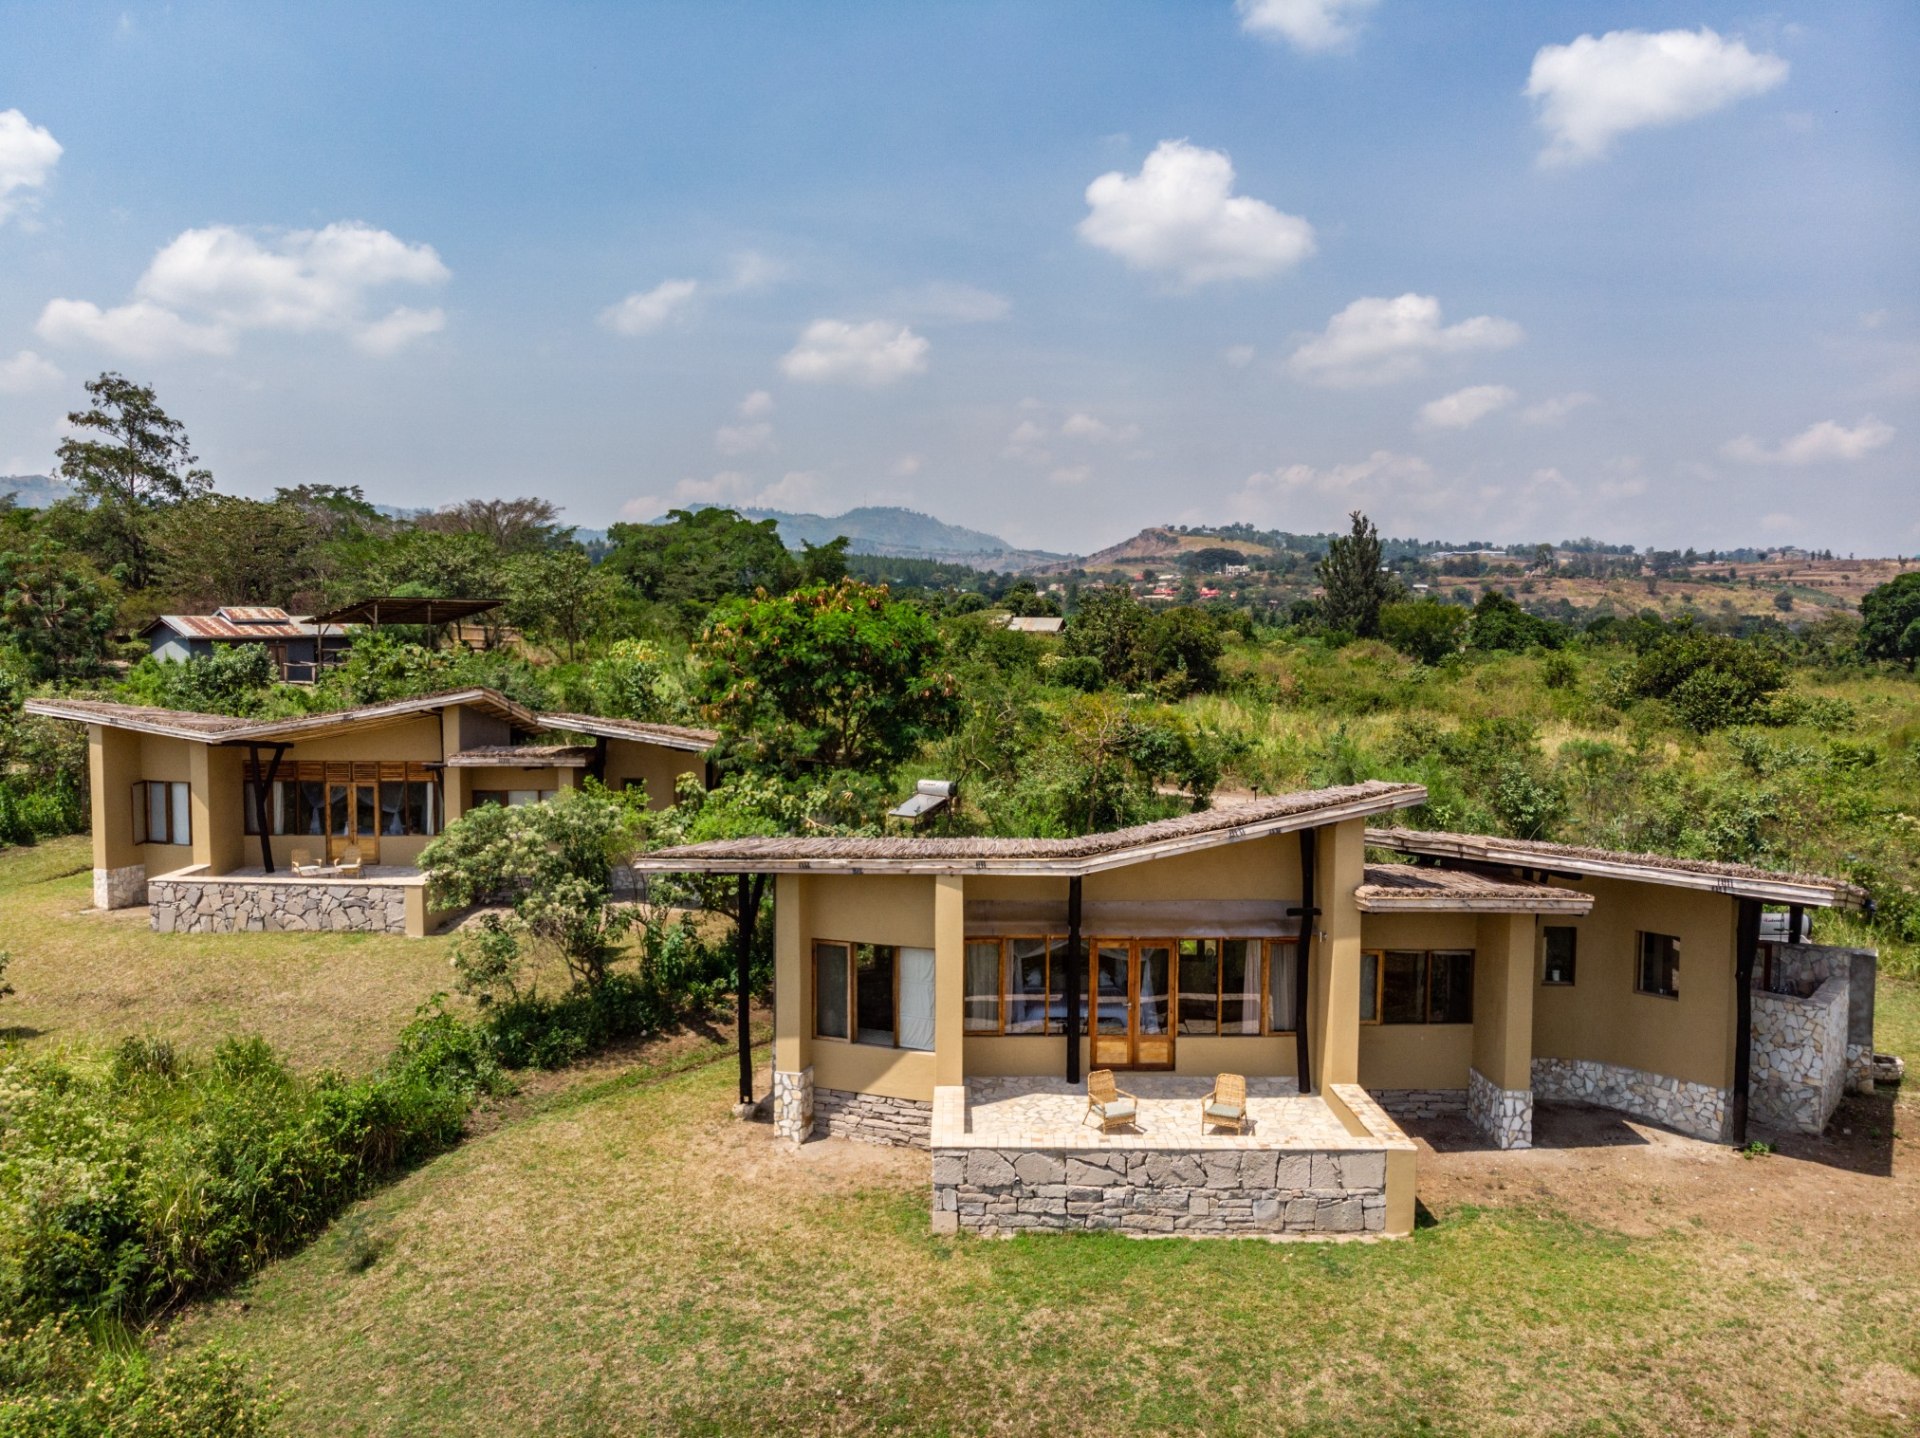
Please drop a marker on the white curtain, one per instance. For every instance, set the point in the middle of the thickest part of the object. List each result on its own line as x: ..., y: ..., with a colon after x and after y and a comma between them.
x: 916, y: 998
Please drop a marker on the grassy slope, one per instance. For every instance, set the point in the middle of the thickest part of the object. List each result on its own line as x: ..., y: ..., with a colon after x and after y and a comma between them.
x: 637, y: 1262
x: 88, y: 979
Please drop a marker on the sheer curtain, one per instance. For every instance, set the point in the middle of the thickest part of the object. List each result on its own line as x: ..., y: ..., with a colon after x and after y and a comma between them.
x: 916, y: 998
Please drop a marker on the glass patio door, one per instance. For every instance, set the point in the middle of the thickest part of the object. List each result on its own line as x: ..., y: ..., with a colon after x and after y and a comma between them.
x: 1132, y: 1004
x: 353, y: 818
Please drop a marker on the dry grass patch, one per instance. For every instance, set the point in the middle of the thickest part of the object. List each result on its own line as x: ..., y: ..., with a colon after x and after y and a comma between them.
x: 633, y: 1261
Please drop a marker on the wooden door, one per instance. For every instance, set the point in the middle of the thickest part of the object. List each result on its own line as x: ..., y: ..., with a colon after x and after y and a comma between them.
x: 353, y: 819
x: 1131, y: 1003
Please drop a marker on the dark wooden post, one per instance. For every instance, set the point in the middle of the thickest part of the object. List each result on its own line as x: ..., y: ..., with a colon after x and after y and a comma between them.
x: 748, y: 894
x: 1302, y: 969
x: 1746, y: 938
x: 1073, y: 980
x: 262, y: 800
x: 1796, y: 918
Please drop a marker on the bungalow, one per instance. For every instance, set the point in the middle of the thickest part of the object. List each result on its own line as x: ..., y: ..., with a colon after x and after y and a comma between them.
x: 955, y: 994
x: 205, y: 817
x: 298, y: 648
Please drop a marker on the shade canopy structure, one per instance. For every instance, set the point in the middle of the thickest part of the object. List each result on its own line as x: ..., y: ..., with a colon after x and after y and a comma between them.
x: 406, y: 609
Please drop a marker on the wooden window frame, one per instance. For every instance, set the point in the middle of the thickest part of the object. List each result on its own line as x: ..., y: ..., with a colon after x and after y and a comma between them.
x: 1426, y: 1020
x: 1640, y: 938
x: 1046, y: 941
x: 999, y: 1028
x: 1573, y: 958
x: 853, y: 1038
x: 1379, y: 957
x: 813, y: 991
x: 1267, y: 946
x: 142, y: 814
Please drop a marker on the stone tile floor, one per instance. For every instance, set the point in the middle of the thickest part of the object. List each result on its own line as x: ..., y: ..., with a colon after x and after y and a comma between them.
x: 372, y: 873
x: 1048, y: 1113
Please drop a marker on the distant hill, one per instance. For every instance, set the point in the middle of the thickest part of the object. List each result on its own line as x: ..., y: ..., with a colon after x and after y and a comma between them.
x: 897, y: 533
x: 34, y: 491
x: 1159, y: 542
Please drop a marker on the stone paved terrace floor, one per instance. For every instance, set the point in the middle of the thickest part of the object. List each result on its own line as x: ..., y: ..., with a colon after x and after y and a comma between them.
x: 1047, y: 1113
x: 372, y: 873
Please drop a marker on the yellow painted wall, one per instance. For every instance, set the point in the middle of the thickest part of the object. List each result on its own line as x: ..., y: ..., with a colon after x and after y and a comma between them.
x: 657, y: 765
x: 1334, y: 1003
x: 417, y: 739
x: 871, y: 908
x: 1601, y: 1017
x: 1418, y: 1055
x: 506, y: 777
x: 113, y: 764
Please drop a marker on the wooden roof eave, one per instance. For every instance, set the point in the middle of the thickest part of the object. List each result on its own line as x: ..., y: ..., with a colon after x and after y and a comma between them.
x: 1394, y: 902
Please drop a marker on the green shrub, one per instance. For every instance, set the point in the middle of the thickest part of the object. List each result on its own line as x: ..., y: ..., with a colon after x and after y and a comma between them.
x: 57, y: 1382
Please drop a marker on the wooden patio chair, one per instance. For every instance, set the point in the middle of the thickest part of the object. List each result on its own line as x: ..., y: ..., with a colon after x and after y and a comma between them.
x: 1226, y: 1106
x: 349, y: 864
x: 1115, y: 1107
x: 301, y: 862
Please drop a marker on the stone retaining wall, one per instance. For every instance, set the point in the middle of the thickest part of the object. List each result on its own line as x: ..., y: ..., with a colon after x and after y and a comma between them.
x: 871, y: 1118
x: 1419, y: 1103
x: 1203, y: 1191
x: 120, y: 888
x: 209, y: 906
x: 1692, y: 1108
x: 793, y: 1105
x: 1504, y: 1116
x: 1800, y: 1055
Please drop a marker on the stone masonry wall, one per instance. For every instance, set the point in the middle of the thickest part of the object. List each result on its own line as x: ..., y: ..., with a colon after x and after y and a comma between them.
x: 1418, y: 1103
x: 870, y: 1118
x: 1799, y: 1056
x: 199, y: 906
x: 1691, y: 1108
x: 1503, y: 1116
x: 124, y: 888
x: 793, y: 1105
x: 1207, y: 1191
x: 1802, y: 968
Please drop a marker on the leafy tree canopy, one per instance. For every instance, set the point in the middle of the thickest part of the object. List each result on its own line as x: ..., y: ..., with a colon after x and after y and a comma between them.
x: 1355, y: 586
x: 695, y: 558
x: 1710, y: 680
x: 1424, y: 629
x: 55, y: 613
x: 1499, y: 624
x: 1890, y: 620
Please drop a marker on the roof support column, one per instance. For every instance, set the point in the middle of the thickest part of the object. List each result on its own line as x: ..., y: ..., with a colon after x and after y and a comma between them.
x: 1746, y: 941
x: 1309, y: 913
x: 748, y: 892
x: 1073, y: 980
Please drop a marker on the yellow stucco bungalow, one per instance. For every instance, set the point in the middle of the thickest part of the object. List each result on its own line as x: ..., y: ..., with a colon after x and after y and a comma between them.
x: 955, y: 994
x: 218, y: 823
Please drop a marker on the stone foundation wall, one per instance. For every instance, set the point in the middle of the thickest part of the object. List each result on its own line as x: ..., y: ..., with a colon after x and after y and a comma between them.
x: 1504, y: 1116
x: 1802, y: 968
x: 120, y: 888
x: 793, y: 1105
x: 208, y: 906
x: 1207, y: 1191
x: 1799, y: 1055
x: 1692, y: 1108
x: 1419, y: 1103
x: 870, y: 1118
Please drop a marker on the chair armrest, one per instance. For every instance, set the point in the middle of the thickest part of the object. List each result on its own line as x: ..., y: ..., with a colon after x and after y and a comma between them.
x: 1124, y: 1094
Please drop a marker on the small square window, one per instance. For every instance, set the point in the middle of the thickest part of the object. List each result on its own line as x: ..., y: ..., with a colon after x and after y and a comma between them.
x: 1558, y: 945
x: 1658, y: 972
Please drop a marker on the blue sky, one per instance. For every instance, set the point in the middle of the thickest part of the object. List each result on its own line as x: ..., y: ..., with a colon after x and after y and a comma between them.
x: 1519, y: 271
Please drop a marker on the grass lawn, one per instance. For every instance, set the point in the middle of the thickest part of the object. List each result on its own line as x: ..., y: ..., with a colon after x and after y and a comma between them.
x: 85, y: 978
x: 631, y: 1260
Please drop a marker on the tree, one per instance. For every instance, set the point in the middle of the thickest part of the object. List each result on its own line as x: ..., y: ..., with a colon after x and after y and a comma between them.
x: 1424, y: 629
x: 130, y: 458
x: 557, y: 594
x: 1109, y: 627
x: 223, y: 549
x: 1498, y: 624
x: 1710, y: 680
x: 842, y: 676
x: 512, y: 526
x: 551, y: 863
x: 55, y: 613
x: 1183, y: 652
x: 1355, y: 586
x: 694, y: 558
x: 1890, y: 620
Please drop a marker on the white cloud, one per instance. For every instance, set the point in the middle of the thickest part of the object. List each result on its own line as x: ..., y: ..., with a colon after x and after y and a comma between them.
x: 954, y: 303
x: 1465, y: 407
x: 1385, y: 479
x: 27, y: 371
x: 1028, y: 441
x: 644, y: 311
x: 1179, y: 215
x: 1377, y: 341
x: 874, y: 353
x: 907, y: 466
x: 752, y: 437
x: 1239, y: 356
x: 1071, y: 474
x: 1778, y: 522
x: 757, y: 404
x: 207, y: 287
x: 140, y: 330
x: 28, y: 153
x: 1555, y: 409
x: 1085, y: 426
x: 1594, y: 90
x: 754, y: 271
x: 1822, y: 443
x: 1309, y: 25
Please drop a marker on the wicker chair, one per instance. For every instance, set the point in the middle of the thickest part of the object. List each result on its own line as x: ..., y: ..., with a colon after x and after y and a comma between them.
x: 1226, y: 1106
x: 1115, y: 1107
x: 349, y: 864
x: 301, y: 862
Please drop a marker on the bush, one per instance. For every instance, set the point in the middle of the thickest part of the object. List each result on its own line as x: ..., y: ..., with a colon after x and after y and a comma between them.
x: 1709, y: 680
x: 56, y: 1382
x: 1424, y: 629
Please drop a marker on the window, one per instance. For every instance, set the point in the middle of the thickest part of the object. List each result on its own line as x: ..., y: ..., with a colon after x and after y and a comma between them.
x: 1416, y: 986
x: 830, y: 991
x: 873, y: 994
x: 1282, y: 960
x: 982, y: 1002
x: 489, y: 796
x: 277, y: 805
x: 1219, y: 986
x: 162, y: 813
x: 1659, y: 969
x: 1557, y: 950
x: 1199, y: 986
x: 1027, y: 986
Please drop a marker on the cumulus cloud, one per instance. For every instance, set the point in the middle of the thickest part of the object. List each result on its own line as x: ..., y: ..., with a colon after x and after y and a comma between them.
x: 752, y: 437
x: 954, y: 303
x: 756, y: 404
x: 1180, y: 217
x: 1239, y: 356
x: 1385, y: 479
x: 1822, y: 443
x: 1589, y: 93
x: 1377, y: 341
x: 1556, y: 408
x: 27, y: 371
x: 644, y: 311
x: 1312, y: 26
x: 28, y: 153
x: 1072, y: 474
x: 207, y: 287
x: 872, y: 354
x: 1085, y: 426
x: 1465, y: 407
